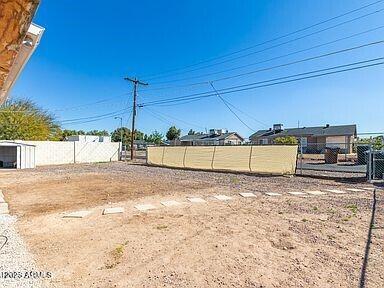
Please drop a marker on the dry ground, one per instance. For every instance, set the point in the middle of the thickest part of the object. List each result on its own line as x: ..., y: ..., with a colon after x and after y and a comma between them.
x: 287, y: 241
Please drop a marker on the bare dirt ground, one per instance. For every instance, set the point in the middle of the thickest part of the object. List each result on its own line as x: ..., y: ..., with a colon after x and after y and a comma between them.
x: 286, y: 241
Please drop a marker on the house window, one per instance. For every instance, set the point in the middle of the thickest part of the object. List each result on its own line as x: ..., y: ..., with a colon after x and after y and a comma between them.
x: 263, y: 141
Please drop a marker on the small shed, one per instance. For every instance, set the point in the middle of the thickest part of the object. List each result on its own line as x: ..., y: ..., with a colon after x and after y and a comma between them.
x: 16, y: 155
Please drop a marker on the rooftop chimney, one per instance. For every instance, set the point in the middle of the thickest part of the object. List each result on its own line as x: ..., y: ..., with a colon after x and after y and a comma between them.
x: 277, y: 127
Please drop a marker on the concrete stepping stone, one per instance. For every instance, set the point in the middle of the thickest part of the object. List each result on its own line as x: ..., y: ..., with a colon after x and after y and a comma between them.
x: 170, y: 203
x: 145, y: 207
x: 316, y: 192
x: 77, y: 214
x: 4, y: 208
x: 222, y: 197
x: 335, y: 191
x: 273, y: 194
x: 297, y: 193
x: 196, y: 200
x: 369, y: 188
x: 355, y: 190
x: 247, y: 194
x: 114, y: 210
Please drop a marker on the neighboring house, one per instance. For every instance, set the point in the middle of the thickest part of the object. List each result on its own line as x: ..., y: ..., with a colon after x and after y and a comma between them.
x: 214, y: 137
x: 313, y: 139
x: 19, y: 39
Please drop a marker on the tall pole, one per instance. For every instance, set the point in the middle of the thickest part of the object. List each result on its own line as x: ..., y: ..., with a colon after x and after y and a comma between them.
x: 135, y: 82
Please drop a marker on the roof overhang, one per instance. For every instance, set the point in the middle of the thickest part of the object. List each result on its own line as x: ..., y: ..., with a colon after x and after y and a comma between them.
x: 18, y: 39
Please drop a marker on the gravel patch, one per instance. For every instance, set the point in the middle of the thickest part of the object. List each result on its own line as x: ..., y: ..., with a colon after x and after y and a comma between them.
x: 15, y: 260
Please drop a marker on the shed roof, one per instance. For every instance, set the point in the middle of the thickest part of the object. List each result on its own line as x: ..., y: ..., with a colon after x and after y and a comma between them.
x: 13, y: 143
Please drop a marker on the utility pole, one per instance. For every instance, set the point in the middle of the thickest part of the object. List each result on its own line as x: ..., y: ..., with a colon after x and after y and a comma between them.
x: 135, y: 82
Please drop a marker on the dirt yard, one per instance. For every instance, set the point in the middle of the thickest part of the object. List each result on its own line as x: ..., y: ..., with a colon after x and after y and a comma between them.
x: 266, y: 241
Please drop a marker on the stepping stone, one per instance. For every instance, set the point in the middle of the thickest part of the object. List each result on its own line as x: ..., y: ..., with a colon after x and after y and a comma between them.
x: 355, y: 190
x: 196, y: 200
x: 77, y: 214
x: 114, y: 210
x: 144, y: 207
x: 222, y: 197
x: 335, y: 191
x: 273, y: 194
x: 369, y: 188
x: 297, y: 193
x: 316, y: 192
x: 247, y: 194
x: 4, y: 208
x: 170, y: 203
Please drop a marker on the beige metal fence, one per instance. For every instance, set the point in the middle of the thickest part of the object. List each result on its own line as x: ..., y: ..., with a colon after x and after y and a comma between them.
x: 268, y: 159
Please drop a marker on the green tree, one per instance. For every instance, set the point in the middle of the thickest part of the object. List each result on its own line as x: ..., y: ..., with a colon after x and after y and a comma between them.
x: 191, y: 132
x: 116, y: 135
x: 98, y: 132
x: 286, y: 140
x: 173, y: 133
x: 377, y: 142
x: 155, y: 137
x: 24, y: 120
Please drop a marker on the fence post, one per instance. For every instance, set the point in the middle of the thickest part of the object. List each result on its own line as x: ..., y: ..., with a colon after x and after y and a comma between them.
x: 162, y: 156
x: 74, y: 152
x: 301, y: 155
x: 369, y: 164
x: 250, y: 159
x: 213, y: 156
x: 185, y: 153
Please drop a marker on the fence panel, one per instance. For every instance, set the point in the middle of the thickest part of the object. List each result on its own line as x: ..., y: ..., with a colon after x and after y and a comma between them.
x: 199, y: 157
x: 234, y: 158
x: 174, y: 156
x: 274, y: 159
x: 155, y: 155
x: 277, y: 159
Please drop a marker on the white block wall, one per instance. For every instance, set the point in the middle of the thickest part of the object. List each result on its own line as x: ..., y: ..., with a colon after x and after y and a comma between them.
x: 57, y: 152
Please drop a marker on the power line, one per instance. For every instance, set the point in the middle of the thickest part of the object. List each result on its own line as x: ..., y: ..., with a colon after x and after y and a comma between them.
x: 270, y: 47
x: 96, y: 116
x: 177, y: 119
x: 247, y: 114
x: 240, y: 87
x: 271, y: 40
x: 229, y: 108
x: 281, y: 65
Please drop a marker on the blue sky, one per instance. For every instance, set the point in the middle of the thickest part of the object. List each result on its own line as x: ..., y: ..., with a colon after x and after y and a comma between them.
x: 89, y: 46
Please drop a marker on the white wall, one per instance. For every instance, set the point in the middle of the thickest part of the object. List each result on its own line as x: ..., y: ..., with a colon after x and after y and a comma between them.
x: 57, y: 152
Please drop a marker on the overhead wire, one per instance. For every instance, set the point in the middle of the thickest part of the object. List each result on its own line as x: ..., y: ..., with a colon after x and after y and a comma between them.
x: 230, y: 109
x: 270, y: 47
x: 238, y: 88
x: 270, y: 40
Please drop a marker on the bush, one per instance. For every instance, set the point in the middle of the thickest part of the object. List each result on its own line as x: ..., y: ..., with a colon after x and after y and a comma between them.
x: 286, y: 140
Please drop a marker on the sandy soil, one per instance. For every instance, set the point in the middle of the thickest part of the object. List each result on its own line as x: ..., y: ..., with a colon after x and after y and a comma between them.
x: 287, y: 241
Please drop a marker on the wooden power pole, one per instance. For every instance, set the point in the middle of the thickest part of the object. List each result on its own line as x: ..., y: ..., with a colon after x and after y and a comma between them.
x: 135, y: 82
